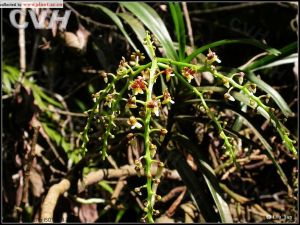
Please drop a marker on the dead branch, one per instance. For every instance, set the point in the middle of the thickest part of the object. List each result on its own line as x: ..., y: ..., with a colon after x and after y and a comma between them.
x: 51, y: 199
x: 175, y: 204
x: 172, y: 193
x: 188, y: 23
x: 28, y: 166
x: 57, y: 190
x: 22, y: 43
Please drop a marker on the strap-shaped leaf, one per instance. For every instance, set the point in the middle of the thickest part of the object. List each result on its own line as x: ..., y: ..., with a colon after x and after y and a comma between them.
x: 114, y: 18
x: 293, y: 58
x: 136, y: 26
x: 209, y: 177
x: 196, y: 186
x: 253, y: 42
x: 179, y: 27
x: 285, y: 51
x: 154, y: 23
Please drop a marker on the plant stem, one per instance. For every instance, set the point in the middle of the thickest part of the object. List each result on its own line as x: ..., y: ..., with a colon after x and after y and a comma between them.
x: 284, y: 136
x: 147, y: 121
x: 222, y: 134
x: 114, y: 109
x: 88, y: 125
x: 181, y: 64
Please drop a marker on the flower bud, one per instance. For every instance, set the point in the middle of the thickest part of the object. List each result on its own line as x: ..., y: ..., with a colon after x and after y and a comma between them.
x: 212, y: 57
x: 156, y: 180
x: 226, y: 82
x: 241, y: 77
x: 227, y: 96
x: 156, y: 212
x: 188, y: 73
x: 157, y: 197
x: 252, y: 88
x: 161, y: 164
x: 130, y: 136
x: 104, y: 75
x: 153, y: 149
x: 137, y: 189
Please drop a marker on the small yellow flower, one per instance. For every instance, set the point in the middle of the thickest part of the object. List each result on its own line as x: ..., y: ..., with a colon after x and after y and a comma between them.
x: 153, y: 105
x: 109, y: 99
x: 138, y: 86
x: 169, y: 73
x: 136, y: 57
x: 167, y: 98
x: 188, y: 73
x: 163, y: 133
x: 132, y: 121
x: 122, y: 67
x: 226, y: 82
x: 252, y: 88
x: 153, y: 149
x: 131, y: 102
x: 212, y: 57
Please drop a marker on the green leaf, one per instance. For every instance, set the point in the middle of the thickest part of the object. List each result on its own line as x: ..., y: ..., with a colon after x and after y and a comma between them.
x: 253, y: 42
x: 40, y: 96
x: 154, y: 23
x: 179, y: 27
x: 136, y: 26
x: 120, y: 215
x: 114, y: 18
x: 106, y: 186
x: 13, y: 72
x: 285, y: 51
x: 194, y: 184
x: 215, y: 190
x: 209, y: 177
x: 9, y: 78
x: 272, y: 92
x: 293, y: 58
x: 57, y: 137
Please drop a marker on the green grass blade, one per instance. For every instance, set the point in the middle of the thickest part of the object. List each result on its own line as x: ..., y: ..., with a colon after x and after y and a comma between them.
x: 256, y: 43
x: 195, y: 186
x: 179, y: 27
x: 285, y: 51
x: 293, y: 58
x: 114, y: 18
x: 119, y: 215
x: 215, y: 191
x: 154, y: 23
x: 209, y: 177
x: 106, y: 186
x: 136, y: 26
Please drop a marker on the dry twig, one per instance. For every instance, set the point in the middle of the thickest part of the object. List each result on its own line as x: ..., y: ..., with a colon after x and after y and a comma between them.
x: 64, y: 185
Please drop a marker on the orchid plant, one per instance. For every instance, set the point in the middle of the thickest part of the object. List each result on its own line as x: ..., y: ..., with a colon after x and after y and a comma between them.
x: 144, y: 106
